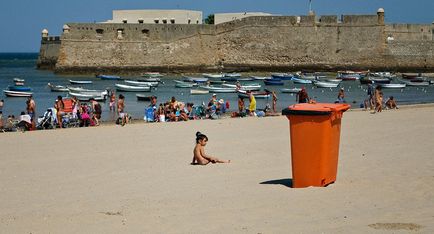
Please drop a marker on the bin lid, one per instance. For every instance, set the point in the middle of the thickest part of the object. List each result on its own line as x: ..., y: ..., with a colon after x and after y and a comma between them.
x: 315, y: 109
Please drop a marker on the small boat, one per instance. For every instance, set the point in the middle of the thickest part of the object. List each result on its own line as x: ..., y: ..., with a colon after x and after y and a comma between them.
x: 153, y: 75
x: 431, y: 81
x: 17, y: 93
x: 229, y: 79
x: 150, y: 79
x: 216, y: 89
x: 392, y: 86
x: 80, y: 81
x: 307, y: 76
x: 198, y: 91
x: 245, y: 79
x: 142, y: 83
x: 301, y: 81
x: 88, y: 96
x: 195, y: 79
x: 415, y: 83
x: 409, y: 76
x: 323, y: 84
x: 282, y: 76
x: 217, y: 82
x: 326, y: 79
x: 57, y: 88
x: 373, y: 79
x: 19, y: 80
x: 83, y: 90
x: 246, y: 87
x: 182, y: 84
x: 261, y: 77
x: 19, y: 88
x: 273, y: 82
x: 348, y: 75
x: 293, y: 90
x: 131, y: 88
x: 237, y: 75
x: 258, y: 95
x: 210, y: 75
x: 143, y: 97
x: 108, y: 77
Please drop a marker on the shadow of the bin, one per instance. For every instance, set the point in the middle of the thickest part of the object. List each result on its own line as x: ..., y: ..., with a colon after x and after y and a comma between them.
x: 285, y: 182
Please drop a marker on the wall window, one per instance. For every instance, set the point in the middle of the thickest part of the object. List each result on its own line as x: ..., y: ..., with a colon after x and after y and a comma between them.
x: 99, y: 31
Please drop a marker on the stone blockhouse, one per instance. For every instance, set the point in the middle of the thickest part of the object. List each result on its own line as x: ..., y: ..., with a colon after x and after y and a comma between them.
x: 156, y: 17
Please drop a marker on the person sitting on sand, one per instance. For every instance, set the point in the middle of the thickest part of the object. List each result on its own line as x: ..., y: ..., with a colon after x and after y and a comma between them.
x: 391, y: 103
x: 199, y: 156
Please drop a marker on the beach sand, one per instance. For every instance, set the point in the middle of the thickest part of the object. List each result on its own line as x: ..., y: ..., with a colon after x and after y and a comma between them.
x: 138, y: 178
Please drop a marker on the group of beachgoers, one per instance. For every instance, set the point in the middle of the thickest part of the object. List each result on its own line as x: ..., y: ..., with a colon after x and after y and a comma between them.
x: 374, y: 99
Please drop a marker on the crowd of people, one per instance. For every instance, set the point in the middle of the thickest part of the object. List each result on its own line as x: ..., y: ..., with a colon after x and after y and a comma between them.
x: 375, y: 100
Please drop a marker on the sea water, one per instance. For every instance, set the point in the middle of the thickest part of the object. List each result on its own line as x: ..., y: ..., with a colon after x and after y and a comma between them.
x: 23, y: 65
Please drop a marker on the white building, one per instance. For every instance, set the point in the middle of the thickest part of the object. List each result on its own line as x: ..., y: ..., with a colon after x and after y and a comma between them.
x: 156, y: 17
x: 226, y: 17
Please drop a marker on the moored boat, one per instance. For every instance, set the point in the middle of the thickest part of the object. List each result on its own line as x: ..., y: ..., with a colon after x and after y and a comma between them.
x: 293, y: 90
x: 245, y: 79
x: 323, y: 84
x: 211, y: 75
x: 282, y: 76
x: 229, y: 79
x: 348, y: 75
x: 195, y: 79
x: 392, y: 86
x: 182, y: 84
x: 19, y: 88
x: 153, y: 75
x: 415, y: 83
x: 88, y: 96
x: 273, y: 82
x: 57, y: 88
x: 261, y: 77
x: 217, y: 89
x: 142, y: 83
x: 198, y: 91
x: 10, y: 93
x: 251, y: 87
x: 131, y: 88
x: 108, y: 77
x: 80, y: 81
x: 301, y: 81
x: 233, y: 75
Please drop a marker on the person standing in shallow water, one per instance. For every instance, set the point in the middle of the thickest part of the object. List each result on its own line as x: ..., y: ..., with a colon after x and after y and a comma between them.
x: 199, y: 155
x: 274, y: 101
x: 302, y: 96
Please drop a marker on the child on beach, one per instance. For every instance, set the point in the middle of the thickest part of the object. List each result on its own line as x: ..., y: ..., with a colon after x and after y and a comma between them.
x: 199, y: 156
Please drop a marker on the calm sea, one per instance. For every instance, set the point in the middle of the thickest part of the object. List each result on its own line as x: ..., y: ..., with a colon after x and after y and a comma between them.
x: 23, y: 65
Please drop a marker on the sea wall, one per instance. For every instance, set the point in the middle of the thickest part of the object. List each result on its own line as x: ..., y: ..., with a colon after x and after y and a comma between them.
x: 257, y: 43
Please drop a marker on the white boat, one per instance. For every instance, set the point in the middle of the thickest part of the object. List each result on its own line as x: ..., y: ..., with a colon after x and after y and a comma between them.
x: 251, y: 87
x: 232, y: 75
x: 83, y: 90
x: 195, y: 79
x: 80, y: 81
x: 326, y: 79
x: 17, y: 93
x: 216, y: 89
x: 323, y: 84
x: 182, y: 84
x: 210, y: 75
x: 153, y: 75
x: 261, y: 77
x: 307, y: 76
x: 141, y: 83
x: 415, y: 83
x: 19, y: 80
x: 293, y: 90
x: 88, y: 96
x: 301, y: 81
x: 57, y: 88
x: 131, y: 88
x: 245, y: 79
x: 393, y: 86
x: 198, y: 91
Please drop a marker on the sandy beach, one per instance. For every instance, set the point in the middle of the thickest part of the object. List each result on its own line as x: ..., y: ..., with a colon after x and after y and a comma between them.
x: 138, y: 178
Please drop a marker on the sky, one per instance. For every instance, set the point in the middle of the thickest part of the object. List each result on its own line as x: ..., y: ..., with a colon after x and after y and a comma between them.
x: 21, y: 21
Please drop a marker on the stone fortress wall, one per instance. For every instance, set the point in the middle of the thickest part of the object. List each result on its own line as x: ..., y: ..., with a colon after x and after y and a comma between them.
x: 256, y: 43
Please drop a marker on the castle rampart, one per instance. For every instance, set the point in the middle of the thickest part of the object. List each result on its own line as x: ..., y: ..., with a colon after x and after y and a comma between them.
x: 256, y: 43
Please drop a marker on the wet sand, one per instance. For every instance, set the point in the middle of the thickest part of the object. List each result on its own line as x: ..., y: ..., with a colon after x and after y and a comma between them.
x: 138, y: 178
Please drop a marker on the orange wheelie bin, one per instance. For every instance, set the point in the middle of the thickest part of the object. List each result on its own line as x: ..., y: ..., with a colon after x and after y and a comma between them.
x: 315, y: 133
